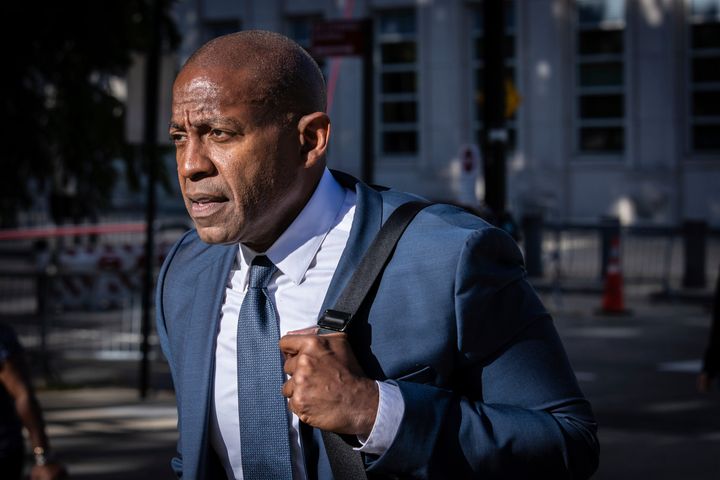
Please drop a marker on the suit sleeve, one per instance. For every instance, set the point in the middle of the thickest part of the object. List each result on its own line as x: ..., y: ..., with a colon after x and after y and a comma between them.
x: 512, y: 408
x: 165, y: 345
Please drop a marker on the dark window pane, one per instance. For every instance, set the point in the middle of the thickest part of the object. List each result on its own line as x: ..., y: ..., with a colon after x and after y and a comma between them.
x: 399, y: 142
x: 595, y: 42
x: 399, y: 112
x: 400, y: 82
x: 601, y: 106
x: 706, y: 69
x: 706, y: 35
x: 398, y: 21
x: 401, y: 52
x: 706, y: 138
x: 599, y: 74
x: 706, y: 103
x: 602, y: 139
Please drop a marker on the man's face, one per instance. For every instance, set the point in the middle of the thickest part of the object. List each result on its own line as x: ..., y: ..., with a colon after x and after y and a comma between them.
x: 235, y: 171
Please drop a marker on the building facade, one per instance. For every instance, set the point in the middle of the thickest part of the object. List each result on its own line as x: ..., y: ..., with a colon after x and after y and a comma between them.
x: 617, y: 101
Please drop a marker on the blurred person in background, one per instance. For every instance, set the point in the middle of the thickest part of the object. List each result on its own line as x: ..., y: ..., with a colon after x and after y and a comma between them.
x: 19, y: 408
x: 711, y: 362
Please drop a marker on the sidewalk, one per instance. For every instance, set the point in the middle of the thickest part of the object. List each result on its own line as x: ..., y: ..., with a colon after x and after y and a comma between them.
x: 107, y: 433
x: 639, y: 372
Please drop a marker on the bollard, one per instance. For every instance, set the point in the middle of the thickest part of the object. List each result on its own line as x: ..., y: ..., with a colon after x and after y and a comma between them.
x: 694, y: 253
x: 532, y: 226
x: 609, y: 230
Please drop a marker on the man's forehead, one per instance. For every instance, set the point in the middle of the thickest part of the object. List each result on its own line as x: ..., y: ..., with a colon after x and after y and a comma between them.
x: 222, y: 84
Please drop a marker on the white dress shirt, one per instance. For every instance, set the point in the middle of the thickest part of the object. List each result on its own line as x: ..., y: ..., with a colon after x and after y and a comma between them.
x: 306, y: 255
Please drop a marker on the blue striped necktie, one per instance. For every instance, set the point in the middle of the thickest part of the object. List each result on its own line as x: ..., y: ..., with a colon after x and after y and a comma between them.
x: 264, y: 417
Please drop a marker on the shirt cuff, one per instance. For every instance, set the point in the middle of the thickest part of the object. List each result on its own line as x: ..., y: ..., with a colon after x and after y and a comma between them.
x: 391, y: 408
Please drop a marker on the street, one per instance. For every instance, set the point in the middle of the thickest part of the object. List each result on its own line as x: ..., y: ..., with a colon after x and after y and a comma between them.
x: 638, y: 371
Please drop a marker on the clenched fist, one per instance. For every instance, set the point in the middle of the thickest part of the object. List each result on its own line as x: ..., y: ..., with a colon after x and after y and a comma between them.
x: 327, y: 388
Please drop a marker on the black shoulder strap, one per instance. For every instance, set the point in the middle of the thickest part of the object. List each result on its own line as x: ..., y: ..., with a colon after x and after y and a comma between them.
x: 338, y: 318
x: 346, y: 463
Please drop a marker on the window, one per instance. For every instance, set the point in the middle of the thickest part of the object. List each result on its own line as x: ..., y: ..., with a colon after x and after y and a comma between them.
x: 300, y: 29
x: 600, y: 107
x: 704, y: 91
x: 397, y: 83
x: 477, y: 71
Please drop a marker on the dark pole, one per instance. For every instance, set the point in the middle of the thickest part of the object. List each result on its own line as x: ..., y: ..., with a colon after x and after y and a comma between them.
x: 495, y: 134
x: 150, y: 157
x: 368, y: 150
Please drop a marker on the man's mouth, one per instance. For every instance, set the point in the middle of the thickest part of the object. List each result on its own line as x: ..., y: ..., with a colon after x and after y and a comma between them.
x: 205, y: 205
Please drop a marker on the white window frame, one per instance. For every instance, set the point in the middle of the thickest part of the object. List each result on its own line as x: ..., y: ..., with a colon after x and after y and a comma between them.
x: 579, y: 91
x: 692, y: 87
x: 380, y: 97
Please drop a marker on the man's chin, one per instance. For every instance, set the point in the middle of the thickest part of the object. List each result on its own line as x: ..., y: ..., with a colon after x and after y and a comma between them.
x: 215, y: 235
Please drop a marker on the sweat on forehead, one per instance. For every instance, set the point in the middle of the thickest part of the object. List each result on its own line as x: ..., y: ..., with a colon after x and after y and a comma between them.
x: 280, y: 72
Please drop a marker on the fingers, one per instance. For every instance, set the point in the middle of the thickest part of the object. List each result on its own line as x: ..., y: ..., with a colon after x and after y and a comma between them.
x: 703, y: 383
x: 305, y: 331
x: 295, y: 343
x: 287, y: 389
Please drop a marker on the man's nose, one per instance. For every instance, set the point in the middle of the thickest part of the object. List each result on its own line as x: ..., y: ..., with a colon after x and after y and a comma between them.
x: 193, y: 161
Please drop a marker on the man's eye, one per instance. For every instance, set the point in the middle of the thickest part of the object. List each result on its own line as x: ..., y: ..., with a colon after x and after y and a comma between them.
x: 219, y: 134
x: 177, y: 137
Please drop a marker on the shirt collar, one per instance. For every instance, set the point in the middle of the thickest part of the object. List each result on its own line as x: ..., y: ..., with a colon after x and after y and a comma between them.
x: 295, y: 249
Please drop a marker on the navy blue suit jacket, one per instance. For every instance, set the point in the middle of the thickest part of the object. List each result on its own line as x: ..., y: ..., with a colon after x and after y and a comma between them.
x: 488, y: 389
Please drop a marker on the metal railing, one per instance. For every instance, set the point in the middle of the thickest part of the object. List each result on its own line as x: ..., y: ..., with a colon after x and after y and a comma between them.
x: 78, y: 297
x: 654, y: 256
x: 83, y: 300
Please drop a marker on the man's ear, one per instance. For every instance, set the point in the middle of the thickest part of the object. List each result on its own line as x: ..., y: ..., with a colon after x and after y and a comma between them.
x: 314, y: 131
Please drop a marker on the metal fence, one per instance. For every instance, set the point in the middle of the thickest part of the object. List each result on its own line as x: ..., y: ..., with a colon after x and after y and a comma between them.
x: 75, y: 298
x: 80, y: 298
x: 572, y: 254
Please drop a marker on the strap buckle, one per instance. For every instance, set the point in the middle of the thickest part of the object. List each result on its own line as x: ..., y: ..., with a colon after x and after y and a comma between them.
x: 334, y: 321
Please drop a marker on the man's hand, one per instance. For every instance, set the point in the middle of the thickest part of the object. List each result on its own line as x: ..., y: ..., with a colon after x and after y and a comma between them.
x: 49, y: 471
x: 704, y: 382
x: 327, y: 388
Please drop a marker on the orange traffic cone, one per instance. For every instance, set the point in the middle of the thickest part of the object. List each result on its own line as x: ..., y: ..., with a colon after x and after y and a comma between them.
x: 613, y: 302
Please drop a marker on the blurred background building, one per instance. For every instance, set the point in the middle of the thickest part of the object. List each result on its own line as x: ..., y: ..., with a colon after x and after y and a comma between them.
x: 613, y: 105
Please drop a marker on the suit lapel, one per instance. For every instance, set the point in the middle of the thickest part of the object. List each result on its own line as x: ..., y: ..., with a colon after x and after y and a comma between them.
x: 200, y: 353
x: 366, y: 223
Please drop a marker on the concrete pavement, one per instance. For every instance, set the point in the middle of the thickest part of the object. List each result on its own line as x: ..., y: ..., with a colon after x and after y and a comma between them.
x: 639, y: 373
x: 106, y: 433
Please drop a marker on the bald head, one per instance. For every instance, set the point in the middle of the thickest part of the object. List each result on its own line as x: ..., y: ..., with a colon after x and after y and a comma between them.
x: 278, y: 72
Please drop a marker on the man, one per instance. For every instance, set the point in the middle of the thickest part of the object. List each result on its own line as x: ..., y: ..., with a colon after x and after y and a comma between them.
x: 452, y: 369
x: 19, y: 408
x: 711, y: 360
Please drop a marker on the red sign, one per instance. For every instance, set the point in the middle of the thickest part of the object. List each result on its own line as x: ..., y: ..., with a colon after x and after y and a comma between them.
x: 339, y: 38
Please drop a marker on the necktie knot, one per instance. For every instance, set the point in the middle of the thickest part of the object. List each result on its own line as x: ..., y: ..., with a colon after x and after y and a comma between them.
x: 261, y: 272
